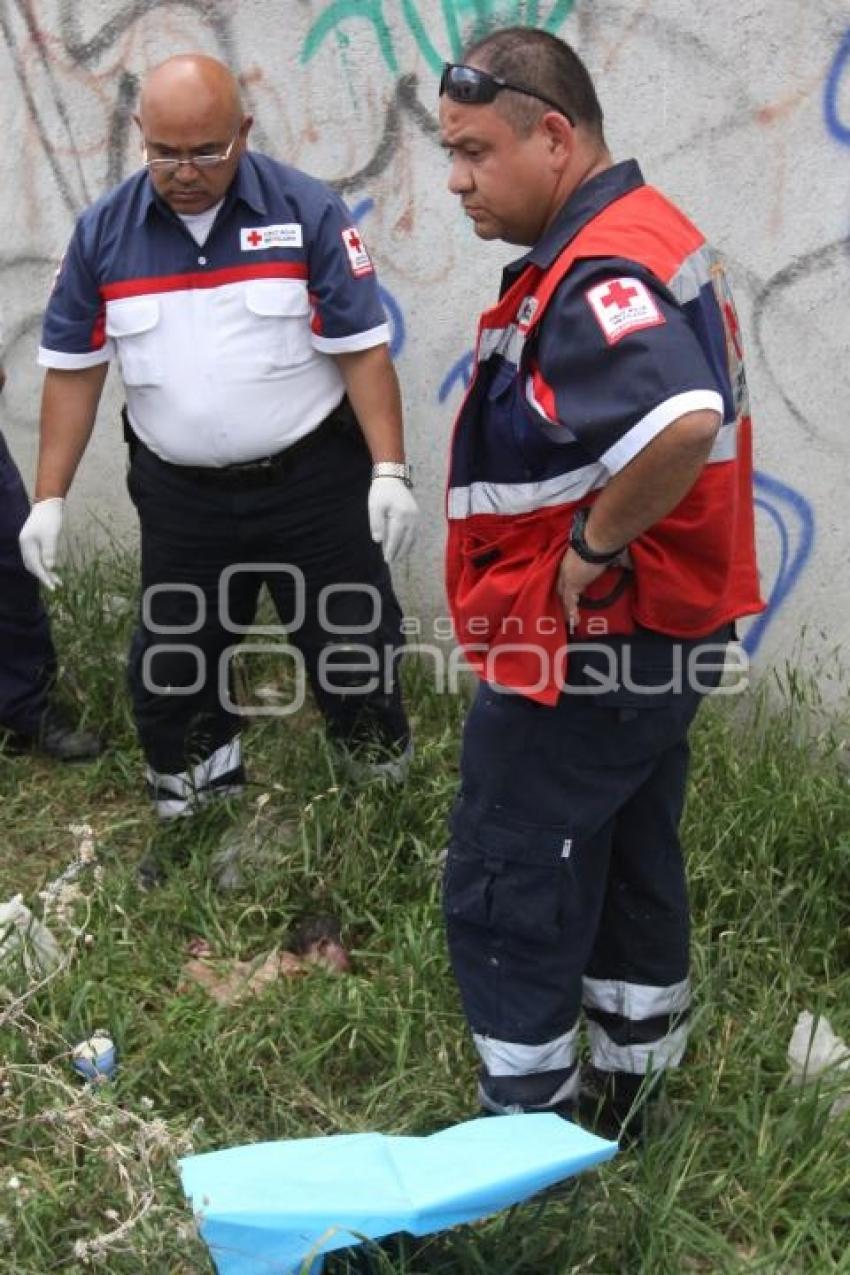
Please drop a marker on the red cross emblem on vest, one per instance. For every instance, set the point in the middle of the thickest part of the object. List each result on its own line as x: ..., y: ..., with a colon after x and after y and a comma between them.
x: 619, y: 296
x: 621, y: 306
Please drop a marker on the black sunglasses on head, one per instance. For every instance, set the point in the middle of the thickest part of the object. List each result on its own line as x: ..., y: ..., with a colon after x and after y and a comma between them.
x: 472, y: 87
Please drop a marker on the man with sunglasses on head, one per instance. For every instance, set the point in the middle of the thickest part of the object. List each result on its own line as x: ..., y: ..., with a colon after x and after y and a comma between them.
x: 600, y: 548
x: 263, y: 416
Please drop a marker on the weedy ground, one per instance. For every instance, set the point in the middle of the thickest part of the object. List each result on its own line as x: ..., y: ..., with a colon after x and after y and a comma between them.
x: 752, y: 1175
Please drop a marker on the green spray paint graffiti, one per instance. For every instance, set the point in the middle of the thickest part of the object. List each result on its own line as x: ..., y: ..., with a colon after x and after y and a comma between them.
x: 463, y: 20
x: 340, y: 12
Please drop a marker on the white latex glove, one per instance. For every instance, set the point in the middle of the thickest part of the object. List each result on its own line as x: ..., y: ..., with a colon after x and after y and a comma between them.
x: 393, y: 515
x: 39, y: 539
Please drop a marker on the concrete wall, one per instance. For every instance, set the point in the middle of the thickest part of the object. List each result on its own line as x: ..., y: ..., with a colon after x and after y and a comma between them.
x: 740, y: 111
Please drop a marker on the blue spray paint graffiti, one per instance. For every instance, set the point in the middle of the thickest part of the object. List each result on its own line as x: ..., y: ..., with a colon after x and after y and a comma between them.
x: 458, y: 374
x: 794, y: 520
x: 839, y: 130
x: 398, y: 332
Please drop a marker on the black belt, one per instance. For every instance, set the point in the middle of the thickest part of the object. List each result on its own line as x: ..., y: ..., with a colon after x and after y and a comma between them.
x: 267, y: 470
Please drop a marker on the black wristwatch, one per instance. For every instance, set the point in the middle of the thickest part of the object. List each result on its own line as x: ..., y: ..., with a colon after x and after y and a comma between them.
x: 582, y: 548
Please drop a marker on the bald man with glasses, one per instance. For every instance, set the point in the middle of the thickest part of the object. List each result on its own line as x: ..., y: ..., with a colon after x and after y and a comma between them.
x: 263, y: 416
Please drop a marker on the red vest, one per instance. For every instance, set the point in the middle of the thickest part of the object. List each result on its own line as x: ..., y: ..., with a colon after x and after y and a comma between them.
x: 691, y: 572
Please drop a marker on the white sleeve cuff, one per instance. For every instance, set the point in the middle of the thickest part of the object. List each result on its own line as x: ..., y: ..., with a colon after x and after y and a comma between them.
x: 351, y: 344
x: 74, y: 362
x: 651, y: 425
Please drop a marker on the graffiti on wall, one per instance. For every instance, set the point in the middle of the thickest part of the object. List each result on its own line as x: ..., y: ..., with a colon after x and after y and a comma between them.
x: 793, y: 522
x: 838, y: 79
x: 463, y: 20
x: 60, y: 55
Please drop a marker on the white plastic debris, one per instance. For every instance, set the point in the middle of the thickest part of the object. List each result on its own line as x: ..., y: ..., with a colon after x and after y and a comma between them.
x: 83, y: 835
x: 22, y: 932
x: 60, y: 895
x: 116, y: 605
x: 815, y: 1049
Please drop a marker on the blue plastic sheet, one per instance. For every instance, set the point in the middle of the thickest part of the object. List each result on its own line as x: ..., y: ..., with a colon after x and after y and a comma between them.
x: 268, y: 1208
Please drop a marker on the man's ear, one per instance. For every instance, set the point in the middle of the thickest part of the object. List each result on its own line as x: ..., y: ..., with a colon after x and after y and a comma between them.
x: 560, y: 136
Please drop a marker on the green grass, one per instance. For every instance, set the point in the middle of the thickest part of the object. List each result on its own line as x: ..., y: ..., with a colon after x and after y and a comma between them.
x: 753, y: 1176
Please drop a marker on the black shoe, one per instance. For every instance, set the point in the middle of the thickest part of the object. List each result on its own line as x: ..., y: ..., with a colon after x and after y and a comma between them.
x: 163, y: 852
x: 58, y: 739
x: 150, y: 871
x: 621, y: 1107
x: 169, y: 847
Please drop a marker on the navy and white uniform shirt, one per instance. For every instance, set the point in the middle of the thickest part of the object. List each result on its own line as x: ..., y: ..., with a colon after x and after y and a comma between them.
x: 224, y: 349
x: 617, y: 356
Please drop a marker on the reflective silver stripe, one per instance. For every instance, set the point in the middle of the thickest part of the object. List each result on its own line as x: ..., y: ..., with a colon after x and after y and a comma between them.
x: 637, y: 1059
x: 173, y: 808
x: 505, y: 341
x: 635, y: 1000
x: 567, y: 1092
x: 180, y: 807
x: 693, y: 274
x: 189, y: 783
x: 725, y: 446
x: 507, y: 1058
x: 522, y: 498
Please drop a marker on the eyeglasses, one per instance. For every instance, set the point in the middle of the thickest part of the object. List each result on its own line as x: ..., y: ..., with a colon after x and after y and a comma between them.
x: 472, y: 87
x: 171, y: 164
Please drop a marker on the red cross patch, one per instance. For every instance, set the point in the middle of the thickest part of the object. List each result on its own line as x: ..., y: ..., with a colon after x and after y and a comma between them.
x: 622, y: 306
x: 358, y: 258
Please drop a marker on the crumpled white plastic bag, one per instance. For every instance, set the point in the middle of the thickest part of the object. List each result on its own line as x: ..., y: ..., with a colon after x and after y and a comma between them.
x: 20, y: 931
x: 815, y: 1049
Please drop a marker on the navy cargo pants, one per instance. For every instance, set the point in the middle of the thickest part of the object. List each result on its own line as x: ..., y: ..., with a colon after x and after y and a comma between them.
x: 565, y: 887
x: 27, y: 657
x: 209, y: 541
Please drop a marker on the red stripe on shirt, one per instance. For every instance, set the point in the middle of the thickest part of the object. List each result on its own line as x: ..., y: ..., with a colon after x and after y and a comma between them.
x: 545, y: 395
x: 202, y: 279
x: 316, y: 324
x: 98, y: 332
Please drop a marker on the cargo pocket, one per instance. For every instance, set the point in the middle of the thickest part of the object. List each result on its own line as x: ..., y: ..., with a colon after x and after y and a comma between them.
x: 133, y: 324
x: 609, y: 676
x: 280, y: 337
x: 509, y: 877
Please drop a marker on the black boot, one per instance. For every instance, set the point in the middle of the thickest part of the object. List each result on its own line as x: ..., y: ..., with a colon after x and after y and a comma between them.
x: 622, y: 1107
x: 57, y: 738
x: 168, y: 848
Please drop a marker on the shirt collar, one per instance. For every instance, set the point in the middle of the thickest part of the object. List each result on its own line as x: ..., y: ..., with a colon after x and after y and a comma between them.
x: 245, y: 186
x: 581, y: 207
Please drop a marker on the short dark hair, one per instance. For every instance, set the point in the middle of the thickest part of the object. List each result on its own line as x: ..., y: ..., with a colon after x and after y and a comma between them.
x: 538, y: 60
